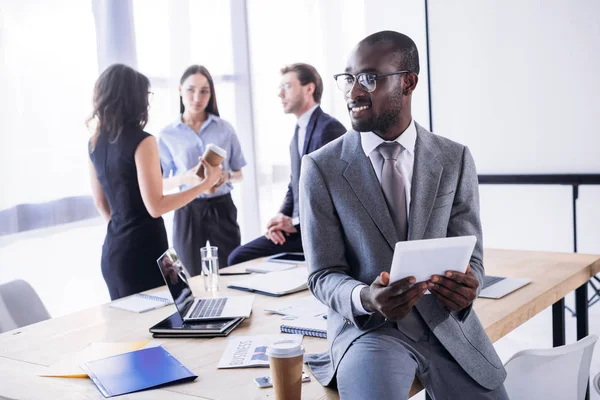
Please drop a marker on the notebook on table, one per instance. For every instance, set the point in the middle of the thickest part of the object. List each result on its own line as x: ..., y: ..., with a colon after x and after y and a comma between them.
x: 142, y: 302
x: 266, y: 267
x: 174, y: 327
x: 307, y: 326
x: 136, y: 371
x: 274, y: 283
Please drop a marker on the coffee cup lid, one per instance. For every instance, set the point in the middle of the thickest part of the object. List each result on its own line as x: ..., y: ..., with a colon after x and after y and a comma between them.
x: 285, y: 349
x: 217, y: 149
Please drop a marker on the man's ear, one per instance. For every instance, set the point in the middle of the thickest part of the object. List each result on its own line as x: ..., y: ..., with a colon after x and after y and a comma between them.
x: 310, y: 88
x: 410, y: 83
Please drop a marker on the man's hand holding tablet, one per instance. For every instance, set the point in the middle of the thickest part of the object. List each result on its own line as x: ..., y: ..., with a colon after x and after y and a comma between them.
x: 455, y: 290
x: 442, y: 265
x: 393, y: 301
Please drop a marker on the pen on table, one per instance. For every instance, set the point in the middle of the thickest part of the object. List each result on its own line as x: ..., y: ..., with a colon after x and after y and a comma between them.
x: 234, y: 273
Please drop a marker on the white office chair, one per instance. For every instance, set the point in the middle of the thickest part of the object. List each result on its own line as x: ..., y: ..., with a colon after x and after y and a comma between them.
x: 596, y: 384
x: 20, y: 305
x: 551, y: 374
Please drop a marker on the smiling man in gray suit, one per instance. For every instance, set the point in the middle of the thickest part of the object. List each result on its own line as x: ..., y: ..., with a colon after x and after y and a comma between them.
x: 388, y: 180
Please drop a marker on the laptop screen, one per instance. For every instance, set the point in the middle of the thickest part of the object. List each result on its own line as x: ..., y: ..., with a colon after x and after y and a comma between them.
x: 176, y: 278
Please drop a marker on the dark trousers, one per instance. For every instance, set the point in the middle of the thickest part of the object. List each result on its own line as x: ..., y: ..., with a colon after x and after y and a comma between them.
x: 263, y: 247
x: 213, y: 219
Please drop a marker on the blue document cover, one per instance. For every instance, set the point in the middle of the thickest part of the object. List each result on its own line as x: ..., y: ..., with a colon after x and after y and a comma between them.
x: 135, y: 371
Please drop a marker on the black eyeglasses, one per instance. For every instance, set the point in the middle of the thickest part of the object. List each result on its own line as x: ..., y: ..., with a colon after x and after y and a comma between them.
x: 366, y: 80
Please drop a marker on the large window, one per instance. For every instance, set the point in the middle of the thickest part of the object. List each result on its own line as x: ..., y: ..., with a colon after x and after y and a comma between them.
x: 48, y: 63
x: 320, y: 33
x: 170, y: 36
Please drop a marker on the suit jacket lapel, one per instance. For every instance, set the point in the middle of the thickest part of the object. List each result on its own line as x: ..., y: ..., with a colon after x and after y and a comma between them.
x: 426, y: 179
x: 363, y: 181
x: 310, y: 128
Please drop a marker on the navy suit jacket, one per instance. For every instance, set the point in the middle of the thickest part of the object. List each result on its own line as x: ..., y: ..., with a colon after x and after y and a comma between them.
x: 322, y: 128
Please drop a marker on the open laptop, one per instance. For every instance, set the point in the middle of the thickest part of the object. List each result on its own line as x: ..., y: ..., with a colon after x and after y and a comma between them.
x: 191, y: 308
x: 495, y: 287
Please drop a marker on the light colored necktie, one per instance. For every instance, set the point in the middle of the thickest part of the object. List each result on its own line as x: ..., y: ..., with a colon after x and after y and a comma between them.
x: 392, y: 184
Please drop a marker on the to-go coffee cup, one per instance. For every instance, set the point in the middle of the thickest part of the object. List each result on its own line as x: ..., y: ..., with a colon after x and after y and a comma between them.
x: 285, y: 360
x: 214, y: 155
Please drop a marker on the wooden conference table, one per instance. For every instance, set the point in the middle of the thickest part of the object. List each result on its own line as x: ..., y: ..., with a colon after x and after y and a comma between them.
x: 27, y: 352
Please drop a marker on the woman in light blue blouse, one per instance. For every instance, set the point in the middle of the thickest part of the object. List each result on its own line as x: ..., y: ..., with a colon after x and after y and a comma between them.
x: 213, y: 215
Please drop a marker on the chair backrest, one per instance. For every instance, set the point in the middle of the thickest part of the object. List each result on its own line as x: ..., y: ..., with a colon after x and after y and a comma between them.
x: 557, y: 373
x: 20, y: 305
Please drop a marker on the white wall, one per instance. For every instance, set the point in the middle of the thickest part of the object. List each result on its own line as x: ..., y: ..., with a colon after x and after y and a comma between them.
x: 518, y: 82
x: 408, y: 17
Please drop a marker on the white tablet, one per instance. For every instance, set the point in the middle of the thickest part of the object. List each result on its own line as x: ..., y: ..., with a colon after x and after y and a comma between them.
x: 423, y: 258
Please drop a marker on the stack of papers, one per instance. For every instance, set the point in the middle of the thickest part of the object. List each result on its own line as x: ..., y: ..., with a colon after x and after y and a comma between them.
x: 307, y: 306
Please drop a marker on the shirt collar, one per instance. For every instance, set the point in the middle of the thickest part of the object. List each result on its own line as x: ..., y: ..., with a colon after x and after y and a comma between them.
x: 407, y: 139
x: 305, y: 118
x: 179, y: 121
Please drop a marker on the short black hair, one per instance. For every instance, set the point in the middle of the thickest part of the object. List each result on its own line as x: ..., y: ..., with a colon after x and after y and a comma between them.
x: 306, y: 74
x: 406, y: 49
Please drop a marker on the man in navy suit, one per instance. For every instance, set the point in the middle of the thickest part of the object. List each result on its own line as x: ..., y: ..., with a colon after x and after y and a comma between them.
x: 300, y: 92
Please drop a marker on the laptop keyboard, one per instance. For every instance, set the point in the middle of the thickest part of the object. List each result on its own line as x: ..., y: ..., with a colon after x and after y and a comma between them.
x: 208, y: 308
x: 489, y: 280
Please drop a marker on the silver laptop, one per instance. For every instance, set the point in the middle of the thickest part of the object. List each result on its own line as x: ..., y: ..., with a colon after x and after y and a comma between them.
x: 191, y: 308
x: 495, y: 287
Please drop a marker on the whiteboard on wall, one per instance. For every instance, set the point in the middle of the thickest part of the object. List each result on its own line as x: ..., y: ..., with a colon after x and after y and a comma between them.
x: 518, y: 82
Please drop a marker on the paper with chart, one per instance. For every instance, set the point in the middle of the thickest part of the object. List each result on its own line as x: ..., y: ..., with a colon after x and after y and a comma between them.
x: 250, y: 351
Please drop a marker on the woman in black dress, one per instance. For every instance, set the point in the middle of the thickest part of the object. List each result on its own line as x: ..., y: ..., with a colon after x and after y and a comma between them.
x: 127, y: 183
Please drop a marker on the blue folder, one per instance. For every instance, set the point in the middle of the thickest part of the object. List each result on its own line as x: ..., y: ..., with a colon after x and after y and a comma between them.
x: 136, y: 371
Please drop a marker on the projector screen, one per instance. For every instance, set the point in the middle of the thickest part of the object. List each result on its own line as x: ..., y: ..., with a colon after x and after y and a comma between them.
x: 518, y: 82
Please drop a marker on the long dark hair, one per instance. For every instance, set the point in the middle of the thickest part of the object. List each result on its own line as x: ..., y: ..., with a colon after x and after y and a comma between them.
x: 120, y: 100
x: 212, y: 103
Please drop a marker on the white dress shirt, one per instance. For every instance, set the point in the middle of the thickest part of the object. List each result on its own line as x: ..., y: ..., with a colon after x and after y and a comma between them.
x: 405, y: 165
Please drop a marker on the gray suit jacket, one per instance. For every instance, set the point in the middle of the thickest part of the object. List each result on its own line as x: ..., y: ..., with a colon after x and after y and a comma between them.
x: 349, y: 238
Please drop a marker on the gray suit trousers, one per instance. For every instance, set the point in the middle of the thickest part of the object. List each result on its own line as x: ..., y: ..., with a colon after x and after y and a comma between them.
x: 383, y: 363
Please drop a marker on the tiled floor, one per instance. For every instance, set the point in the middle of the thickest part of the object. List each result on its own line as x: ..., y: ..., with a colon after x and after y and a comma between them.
x: 63, y: 265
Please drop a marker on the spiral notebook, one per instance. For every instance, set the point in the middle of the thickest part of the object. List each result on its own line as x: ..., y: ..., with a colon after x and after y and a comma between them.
x: 142, y: 302
x: 307, y: 326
